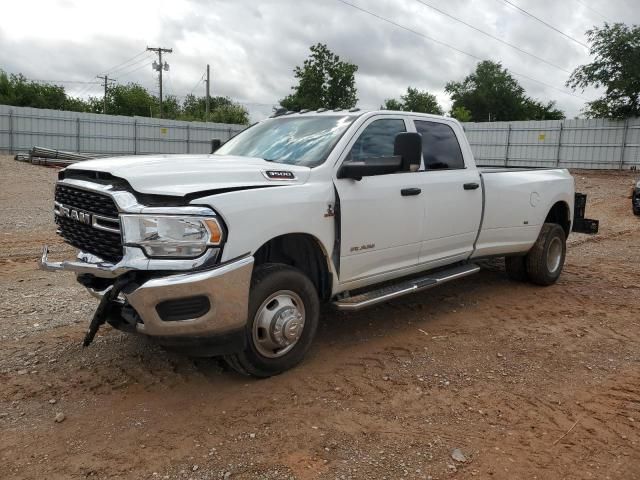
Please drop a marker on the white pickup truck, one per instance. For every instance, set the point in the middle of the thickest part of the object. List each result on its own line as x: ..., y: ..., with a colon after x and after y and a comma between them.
x: 231, y: 253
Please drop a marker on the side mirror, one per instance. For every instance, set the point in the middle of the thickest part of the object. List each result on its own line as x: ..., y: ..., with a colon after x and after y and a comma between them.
x: 369, y: 167
x: 408, y: 146
x: 216, y: 143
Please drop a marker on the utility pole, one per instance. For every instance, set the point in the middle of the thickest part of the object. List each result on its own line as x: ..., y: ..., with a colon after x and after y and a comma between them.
x: 106, y: 81
x: 206, y: 115
x: 159, y: 67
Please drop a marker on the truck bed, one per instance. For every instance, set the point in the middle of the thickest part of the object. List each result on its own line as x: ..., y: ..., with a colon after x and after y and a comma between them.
x: 515, y: 206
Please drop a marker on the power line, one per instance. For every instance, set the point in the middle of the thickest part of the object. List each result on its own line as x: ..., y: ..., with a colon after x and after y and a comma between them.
x: 454, y: 48
x: 119, y: 71
x: 196, y: 85
x: 593, y: 10
x: 493, y: 36
x: 239, y: 102
x: 85, y: 86
x: 88, y: 85
x: 126, y: 74
x: 64, y: 81
x: 117, y: 67
x: 411, y: 30
x: 134, y: 67
x: 524, y: 12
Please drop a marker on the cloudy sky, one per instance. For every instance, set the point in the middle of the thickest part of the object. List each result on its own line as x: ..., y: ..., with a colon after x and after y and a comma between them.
x: 253, y: 45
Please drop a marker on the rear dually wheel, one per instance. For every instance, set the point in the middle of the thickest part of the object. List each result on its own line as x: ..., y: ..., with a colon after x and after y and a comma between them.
x: 546, y: 258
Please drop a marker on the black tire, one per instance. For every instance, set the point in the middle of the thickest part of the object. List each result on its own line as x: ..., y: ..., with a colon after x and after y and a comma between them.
x: 636, y: 211
x: 516, y: 268
x: 267, y: 280
x: 546, y: 258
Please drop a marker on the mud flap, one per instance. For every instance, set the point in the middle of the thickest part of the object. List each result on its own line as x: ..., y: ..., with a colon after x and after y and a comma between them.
x: 581, y: 224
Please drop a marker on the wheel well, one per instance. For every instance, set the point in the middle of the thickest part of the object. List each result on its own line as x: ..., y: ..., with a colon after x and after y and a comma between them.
x: 560, y: 214
x: 302, y: 251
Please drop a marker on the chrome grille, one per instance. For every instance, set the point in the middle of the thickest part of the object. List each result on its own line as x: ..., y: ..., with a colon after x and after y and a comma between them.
x: 85, y: 200
x: 98, y: 234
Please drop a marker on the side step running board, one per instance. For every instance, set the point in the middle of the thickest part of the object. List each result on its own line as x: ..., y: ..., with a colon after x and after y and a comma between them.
x: 405, y: 287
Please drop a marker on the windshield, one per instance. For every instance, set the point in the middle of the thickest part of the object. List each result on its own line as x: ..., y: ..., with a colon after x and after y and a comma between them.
x: 293, y: 140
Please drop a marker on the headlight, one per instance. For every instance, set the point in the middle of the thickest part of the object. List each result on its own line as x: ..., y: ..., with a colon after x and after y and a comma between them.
x: 171, y: 235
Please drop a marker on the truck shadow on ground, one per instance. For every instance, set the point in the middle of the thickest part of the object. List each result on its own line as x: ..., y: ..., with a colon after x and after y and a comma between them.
x: 342, y: 331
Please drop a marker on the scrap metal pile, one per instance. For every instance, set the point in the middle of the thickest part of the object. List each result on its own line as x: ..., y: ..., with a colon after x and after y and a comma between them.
x: 52, y: 158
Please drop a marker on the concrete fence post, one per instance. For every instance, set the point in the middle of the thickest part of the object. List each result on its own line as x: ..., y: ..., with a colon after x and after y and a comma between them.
x: 559, y: 144
x: 11, y: 131
x: 188, y: 138
x: 623, y: 145
x: 135, y: 136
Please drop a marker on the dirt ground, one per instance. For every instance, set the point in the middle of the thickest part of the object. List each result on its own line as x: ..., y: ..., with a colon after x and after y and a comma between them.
x: 528, y: 382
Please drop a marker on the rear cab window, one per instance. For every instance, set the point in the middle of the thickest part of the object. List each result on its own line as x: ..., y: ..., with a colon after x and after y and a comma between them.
x: 440, y: 146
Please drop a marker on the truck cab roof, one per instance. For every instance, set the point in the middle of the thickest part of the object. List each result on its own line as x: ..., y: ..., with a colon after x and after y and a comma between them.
x: 356, y: 112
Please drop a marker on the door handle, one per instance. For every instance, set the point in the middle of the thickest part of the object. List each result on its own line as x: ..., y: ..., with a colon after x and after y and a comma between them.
x: 407, y: 192
x: 471, y: 186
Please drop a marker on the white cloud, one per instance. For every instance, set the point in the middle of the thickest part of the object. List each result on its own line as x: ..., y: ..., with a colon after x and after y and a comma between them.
x: 253, y: 46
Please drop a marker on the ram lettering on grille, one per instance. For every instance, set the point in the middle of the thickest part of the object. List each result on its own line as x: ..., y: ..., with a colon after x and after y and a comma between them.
x: 89, y: 221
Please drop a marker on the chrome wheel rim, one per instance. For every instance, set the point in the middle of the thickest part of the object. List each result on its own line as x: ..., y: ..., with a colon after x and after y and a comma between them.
x: 278, y: 324
x: 554, y: 255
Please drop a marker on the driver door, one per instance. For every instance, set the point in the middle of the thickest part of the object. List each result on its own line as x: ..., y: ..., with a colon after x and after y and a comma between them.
x: 382, y: 217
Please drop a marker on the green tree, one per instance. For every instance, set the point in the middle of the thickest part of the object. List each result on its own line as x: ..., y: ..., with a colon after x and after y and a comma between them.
x: 421, y: 101
x: 221, y: 110
x: 130, y: 99
x: 392, y: 104
x: 536, y: 110
x: 616, y: 67
x: 19, y: 91
x: 74, y: 104
x: 171, y: 107
x: 232, y: 113
x: 193, y: 108
x: 415, y: 101
x: 490, y: 93
x: 324, y: 81
x: 461, y: 114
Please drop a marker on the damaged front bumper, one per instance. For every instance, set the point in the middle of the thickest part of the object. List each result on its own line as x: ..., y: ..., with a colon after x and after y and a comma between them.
x: 179, y: 302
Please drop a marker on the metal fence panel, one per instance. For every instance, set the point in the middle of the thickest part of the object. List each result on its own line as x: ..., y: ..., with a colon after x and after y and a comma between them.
x: 6, y: 134
x: 576, y: 143
x: 21, y: 128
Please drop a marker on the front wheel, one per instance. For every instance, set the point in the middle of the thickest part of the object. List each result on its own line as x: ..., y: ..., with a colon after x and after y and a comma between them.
x: 546, y: 259
x: 283, y: 319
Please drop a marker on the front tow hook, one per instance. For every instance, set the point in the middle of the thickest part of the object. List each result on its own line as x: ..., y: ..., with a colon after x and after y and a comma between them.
x: 105, y: 307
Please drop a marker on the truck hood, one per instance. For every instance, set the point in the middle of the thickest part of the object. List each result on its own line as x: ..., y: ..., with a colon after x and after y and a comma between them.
x: 180, y: 175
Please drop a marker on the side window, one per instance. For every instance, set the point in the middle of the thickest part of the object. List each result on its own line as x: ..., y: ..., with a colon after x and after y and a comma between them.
x: 377, y: 139
x: 440, y: 147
